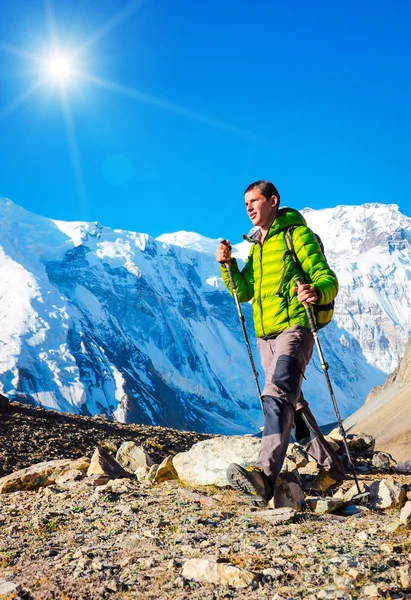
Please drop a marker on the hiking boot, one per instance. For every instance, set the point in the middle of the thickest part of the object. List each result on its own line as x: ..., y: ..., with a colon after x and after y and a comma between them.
x: 251, y: 481
x: 323, y: 481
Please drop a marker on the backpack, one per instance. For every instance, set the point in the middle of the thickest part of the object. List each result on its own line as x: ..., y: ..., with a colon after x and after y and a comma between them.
x: 323, y: 313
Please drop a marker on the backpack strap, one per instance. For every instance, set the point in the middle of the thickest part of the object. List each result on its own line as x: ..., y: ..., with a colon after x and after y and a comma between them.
x: 317, y: 308
x: 291, y: 251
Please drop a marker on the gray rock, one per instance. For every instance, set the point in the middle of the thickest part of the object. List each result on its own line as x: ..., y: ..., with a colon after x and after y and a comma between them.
x: 102, y: 463
x: 357, y: 442
x: 404, y: 467
x: 381, y: 461
x: 405, y: 514
x: 386, y: 493
x: 335, y: 445
x: 8, y: 587
x: 296, y: 457
x: 152, y: 472
x: 360, y: 442
x: 276, y: 516
x: 206, y: 571
x: 405, y: 577
x: 352, y: 492
x: 207, y: 461
x: 165, y: 471
x: 132, y: 457
x: 274, y: 574
x: 323, y: 505
x: 371, y: 590
x: 393, y: 526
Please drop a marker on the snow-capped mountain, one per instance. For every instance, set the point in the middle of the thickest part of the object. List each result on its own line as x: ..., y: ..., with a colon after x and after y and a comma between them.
x: 95, y: 320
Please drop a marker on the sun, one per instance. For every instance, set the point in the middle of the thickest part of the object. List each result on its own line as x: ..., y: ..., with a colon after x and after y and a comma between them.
x: 60, y: 66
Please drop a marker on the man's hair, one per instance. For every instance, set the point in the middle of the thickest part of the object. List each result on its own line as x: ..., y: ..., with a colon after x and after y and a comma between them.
x: 267, y: 189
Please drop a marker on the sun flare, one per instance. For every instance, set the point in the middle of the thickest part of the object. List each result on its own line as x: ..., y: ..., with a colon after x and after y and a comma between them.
x: 60, y: 66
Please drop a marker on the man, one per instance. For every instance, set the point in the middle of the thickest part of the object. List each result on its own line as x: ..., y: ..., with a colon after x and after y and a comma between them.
x: 284, y: 338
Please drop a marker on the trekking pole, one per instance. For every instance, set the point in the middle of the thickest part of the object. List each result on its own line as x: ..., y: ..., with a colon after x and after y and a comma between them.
x: 242, y: 321
x: 324, y: 366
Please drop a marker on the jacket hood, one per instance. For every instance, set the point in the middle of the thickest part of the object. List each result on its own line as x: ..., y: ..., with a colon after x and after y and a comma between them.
x: 286, y: 217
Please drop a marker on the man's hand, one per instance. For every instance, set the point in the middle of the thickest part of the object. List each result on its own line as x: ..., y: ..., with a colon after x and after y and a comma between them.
x: 306, y: 293
x: 223, y: 253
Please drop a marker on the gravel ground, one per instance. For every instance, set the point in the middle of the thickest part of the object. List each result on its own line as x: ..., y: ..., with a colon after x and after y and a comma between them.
x: 132, y: 540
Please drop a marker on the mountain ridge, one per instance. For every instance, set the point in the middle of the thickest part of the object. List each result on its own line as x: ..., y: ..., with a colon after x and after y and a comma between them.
x: 100, y: 320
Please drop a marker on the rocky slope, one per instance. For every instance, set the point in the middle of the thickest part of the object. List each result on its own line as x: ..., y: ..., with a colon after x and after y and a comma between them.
x: 94, y: 538
x: 30, y: 435
x: 387, y: 412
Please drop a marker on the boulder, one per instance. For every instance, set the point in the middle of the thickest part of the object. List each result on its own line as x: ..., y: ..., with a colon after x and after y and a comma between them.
x: 207, y: 571
x: 207, y: 461
x: 38, y: 475
x: 360, y: 442
x: 132, y: 457
x: 165, y: 471
x: 102, y: 463
x: 357, y: 442
x: 386, y: 493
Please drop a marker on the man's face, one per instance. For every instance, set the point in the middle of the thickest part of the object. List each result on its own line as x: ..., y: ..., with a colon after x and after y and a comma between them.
x: 260, y: 210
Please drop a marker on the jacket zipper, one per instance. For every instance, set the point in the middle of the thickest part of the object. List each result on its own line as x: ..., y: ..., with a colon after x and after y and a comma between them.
x: 261, y: 283
x: 287, y: 302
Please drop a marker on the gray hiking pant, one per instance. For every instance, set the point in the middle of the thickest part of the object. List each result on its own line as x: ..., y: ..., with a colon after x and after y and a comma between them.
x: 284, y: 359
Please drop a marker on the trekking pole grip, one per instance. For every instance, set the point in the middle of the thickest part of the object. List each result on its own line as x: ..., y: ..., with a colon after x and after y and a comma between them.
x: 307, y: 307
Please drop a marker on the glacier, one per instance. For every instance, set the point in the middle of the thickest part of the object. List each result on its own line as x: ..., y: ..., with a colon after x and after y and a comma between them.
x: 95, y: 320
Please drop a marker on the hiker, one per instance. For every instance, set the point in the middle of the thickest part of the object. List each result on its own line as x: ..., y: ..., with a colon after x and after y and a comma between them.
x: 284, y: 338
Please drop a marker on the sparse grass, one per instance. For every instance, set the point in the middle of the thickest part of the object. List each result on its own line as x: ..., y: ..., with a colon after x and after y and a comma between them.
x: 155, y: 445
x: 108, y: 497
x: 53, y: 524
x: 248, y: 559
x: 7, y: 558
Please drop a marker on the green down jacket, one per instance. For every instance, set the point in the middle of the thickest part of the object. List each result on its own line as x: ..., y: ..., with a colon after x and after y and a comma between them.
x: 269, y: 273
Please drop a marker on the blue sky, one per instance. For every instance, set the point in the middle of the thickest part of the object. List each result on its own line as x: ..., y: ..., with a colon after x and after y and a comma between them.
x: 185, y: 103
